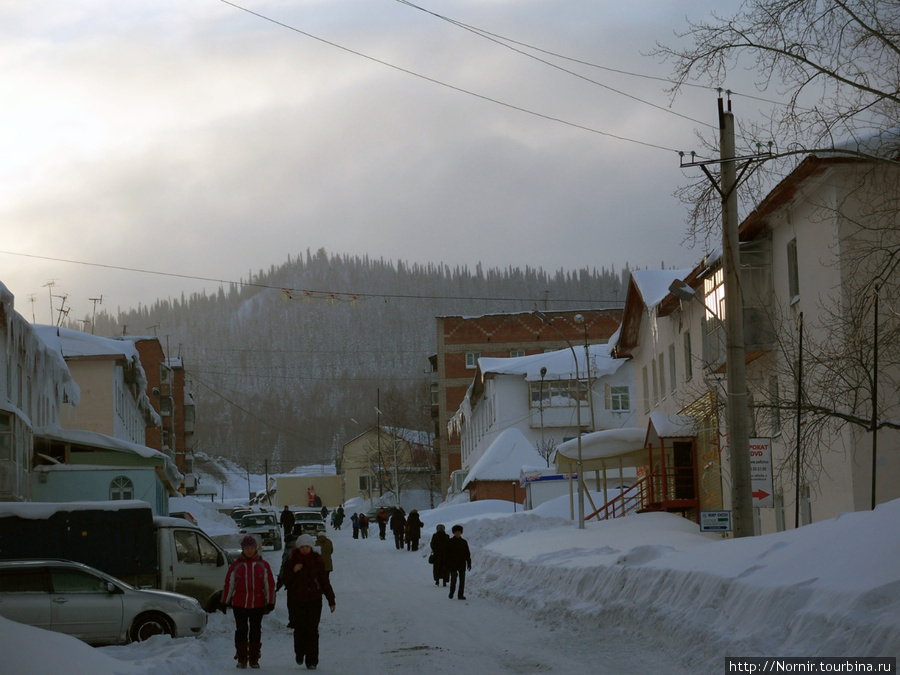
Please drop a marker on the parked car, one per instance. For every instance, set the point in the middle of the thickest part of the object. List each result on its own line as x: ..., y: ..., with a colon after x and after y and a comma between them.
x: 264, y: 526
x: 239, y: 512
x: 72, y: 598
x: 308, y: 521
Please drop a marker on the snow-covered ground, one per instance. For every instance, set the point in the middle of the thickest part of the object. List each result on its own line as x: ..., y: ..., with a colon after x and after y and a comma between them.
x: 640, y: 594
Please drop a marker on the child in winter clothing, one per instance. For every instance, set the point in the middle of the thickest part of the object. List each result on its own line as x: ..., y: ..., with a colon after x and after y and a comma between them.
x: 250, y: 592
x: 306, y: 582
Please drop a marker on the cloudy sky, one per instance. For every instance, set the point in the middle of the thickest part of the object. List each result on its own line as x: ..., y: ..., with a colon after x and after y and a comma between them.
x: 209, y: 139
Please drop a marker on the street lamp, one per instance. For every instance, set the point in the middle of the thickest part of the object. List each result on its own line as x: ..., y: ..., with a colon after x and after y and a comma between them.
x: 546, y: 320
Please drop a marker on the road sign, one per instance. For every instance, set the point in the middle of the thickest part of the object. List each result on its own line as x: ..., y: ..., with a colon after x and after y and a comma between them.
x: 761, y: 472
x: 715, y: 521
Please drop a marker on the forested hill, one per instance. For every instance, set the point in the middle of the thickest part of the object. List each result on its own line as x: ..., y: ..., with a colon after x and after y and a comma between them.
x: 287, y: 365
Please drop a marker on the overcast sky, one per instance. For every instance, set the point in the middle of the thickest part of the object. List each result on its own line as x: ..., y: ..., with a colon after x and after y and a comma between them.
x: 195, y: 138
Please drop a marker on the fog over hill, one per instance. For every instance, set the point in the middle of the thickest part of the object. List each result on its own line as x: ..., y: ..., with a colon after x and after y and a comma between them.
x: 288, y: 364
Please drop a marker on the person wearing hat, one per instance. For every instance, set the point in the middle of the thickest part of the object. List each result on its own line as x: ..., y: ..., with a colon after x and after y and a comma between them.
x: 250, y: 592
x: 306, y: 582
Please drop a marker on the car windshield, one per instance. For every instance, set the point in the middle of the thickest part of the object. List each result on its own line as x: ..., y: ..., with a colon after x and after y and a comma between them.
x: 309, y: 516
x: 255, y: 521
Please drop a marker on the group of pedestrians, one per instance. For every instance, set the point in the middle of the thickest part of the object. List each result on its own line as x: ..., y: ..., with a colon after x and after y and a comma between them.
x: 360, y: 523
x: 450, y: 559
x: 250, y: 590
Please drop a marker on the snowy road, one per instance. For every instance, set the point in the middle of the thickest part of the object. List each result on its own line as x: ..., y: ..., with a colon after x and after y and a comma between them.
x: 390, y: 617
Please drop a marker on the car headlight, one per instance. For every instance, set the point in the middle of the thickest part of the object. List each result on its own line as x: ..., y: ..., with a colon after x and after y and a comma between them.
x: 189, y: 604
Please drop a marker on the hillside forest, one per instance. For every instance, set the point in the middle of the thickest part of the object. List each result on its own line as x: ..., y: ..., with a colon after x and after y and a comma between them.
x: 287, y: 365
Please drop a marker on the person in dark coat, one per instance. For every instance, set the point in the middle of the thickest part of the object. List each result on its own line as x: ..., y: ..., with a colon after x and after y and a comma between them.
x: 354, y: 521
x: 414, y: 526
x: 250, y: 592
x: 363, y: 526
x: 458, y: 561
x: 439, y: 555
x: 398, y: 527
x: 381, y: 518
x: 287, y: 521
x: 306, y: 582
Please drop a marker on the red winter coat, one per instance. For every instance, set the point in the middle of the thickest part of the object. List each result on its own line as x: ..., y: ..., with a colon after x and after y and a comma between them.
x: 249, y: 583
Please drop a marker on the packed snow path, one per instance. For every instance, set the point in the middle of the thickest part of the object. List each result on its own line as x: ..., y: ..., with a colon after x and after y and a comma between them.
x: 391, y: 617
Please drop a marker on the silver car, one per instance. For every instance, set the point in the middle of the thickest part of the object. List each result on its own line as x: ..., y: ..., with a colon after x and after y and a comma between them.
x: 81, y: 601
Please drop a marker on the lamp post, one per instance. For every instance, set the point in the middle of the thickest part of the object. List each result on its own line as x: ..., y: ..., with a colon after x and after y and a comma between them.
x: 546, y: 320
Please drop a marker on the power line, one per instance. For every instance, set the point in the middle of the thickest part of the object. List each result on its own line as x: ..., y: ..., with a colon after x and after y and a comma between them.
x: 450, y: 86
x: 589, y: 64
x: 496, y: 39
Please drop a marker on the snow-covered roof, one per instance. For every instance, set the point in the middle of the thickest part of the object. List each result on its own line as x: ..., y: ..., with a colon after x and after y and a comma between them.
x: 98, y: 440
x: 504, y: 458
x: 653, y: 285
x: 672, y: 426
x: 560, y: 364
x: 608, y: 444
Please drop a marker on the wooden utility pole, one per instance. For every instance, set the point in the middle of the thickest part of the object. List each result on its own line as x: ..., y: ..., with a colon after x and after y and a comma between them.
x: 737, y: 400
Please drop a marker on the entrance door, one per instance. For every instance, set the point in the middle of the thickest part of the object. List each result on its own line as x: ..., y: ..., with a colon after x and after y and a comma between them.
x: 683, y: 461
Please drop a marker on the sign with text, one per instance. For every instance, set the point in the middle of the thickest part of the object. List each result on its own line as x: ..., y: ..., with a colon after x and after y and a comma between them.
x: 715, y: 521
x: 761, y: 472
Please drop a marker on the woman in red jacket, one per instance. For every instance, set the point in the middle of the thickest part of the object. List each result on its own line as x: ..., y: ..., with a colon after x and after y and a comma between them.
x: 306, y: 580
x: 250, y: 592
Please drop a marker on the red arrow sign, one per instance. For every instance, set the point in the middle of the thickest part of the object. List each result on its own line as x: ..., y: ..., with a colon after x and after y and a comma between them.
x: 759, y: 494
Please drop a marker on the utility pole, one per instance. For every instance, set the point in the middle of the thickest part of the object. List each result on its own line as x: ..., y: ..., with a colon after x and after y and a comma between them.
x: 737, y: 404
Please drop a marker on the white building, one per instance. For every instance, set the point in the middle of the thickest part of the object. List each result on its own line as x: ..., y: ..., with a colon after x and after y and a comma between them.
x: 543, y: 397
x: 35, y: 385
x: 824, y: 233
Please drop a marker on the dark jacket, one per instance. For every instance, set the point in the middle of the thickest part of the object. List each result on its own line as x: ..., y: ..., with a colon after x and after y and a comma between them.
x: 439, y: 547
x: 458, y: 553
x: 310, y: 582
x: 414, y: 525
x: 398, y: 522
x: 287, y: 520
x: 249, y: 583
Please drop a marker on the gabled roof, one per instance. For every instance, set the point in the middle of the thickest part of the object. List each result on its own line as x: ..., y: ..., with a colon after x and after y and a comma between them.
x: 504, y: 458
x: 647, y: 289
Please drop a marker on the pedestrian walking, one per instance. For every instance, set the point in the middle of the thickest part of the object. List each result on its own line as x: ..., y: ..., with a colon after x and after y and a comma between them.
x: 354, y: 521
x: 458, y: 561
x: 250, y: 593
x: 286, y: 520
x: 306, y: 582
x: 381, y: 518
x: 438, y: 557
x: 363, y: 526
x: 398, y: 527
x: 414, y: 526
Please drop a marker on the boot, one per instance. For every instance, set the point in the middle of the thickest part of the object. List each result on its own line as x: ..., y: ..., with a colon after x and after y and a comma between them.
x: 254, y: 653
x: 241, y: 651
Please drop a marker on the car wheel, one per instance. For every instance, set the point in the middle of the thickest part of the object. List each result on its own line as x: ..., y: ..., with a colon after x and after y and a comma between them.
x: 147, y: 625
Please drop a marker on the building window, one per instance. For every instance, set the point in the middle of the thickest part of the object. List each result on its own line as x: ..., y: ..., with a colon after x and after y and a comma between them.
x: 619, y: 399
x: 558, y: 393
x: 472, y: 359
x: 6, y: 437
x: 662, y: 374
x: 515, y: 353
x: 120, y: 488
x: 646, y: 389
x: 714, y: 291
x: 165, y: 406
x: 655, y: 399
x: 672, y: 367
x: 434, y: 393
x: 793, y: 271
x: 688, y: 364
x: 364, y: 483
